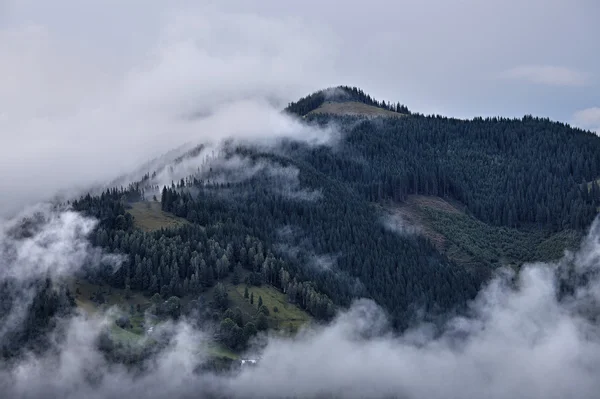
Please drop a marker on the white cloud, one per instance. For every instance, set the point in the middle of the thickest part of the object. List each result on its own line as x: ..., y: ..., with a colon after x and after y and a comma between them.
x: 72, y: 115
x: 526, y: 336
x: 400, y: 224
x: 588, y: 118
x: 48, y: 242
x: 547, y: 75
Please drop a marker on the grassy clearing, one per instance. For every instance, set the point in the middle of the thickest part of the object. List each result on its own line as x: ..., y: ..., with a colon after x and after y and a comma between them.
x: 499, y: 245
x: 96, y: 298
x: 470, y: 242
x: 354, y: 108
x: 125, y: 336
x: 93, y: 298
x: 217, y: 350
x: 86, y: 293
x: 148, y: 216
x: 288, y: 316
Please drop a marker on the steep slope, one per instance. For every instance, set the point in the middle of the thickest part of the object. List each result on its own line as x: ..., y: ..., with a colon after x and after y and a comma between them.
x: 308, y: 220
x: 505, y: 171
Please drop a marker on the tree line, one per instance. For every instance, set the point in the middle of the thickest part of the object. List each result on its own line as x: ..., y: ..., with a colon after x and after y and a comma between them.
x: 341, y: 94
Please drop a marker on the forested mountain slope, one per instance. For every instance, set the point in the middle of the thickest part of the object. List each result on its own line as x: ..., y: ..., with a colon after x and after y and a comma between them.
x: 506, y: 171
x: 317, y: 222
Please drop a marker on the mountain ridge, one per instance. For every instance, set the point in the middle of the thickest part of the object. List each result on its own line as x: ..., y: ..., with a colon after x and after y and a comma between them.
x: 314, y: 225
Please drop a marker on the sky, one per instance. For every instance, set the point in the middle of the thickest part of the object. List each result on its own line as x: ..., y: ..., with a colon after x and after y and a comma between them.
x: 92, y: 88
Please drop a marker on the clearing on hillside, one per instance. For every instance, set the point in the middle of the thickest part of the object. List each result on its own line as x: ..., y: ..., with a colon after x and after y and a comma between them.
x: 473, y: 243
x: 283, y: 315
x: 354, y: 108
x: 148, y: 216
x: 92, y: 296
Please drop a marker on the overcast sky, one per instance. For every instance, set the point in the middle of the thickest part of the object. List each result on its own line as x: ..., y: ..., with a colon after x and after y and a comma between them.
x: 96, y: 86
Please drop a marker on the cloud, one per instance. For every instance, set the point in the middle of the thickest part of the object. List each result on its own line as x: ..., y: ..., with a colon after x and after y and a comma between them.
x: 523, y: 338
x: 547, y: 75
x: 400, y: 224
x: 73, y: 114
x: 45, y: 241
x: 42, y: 243
x: 533, y: 335
x: 588, y: 118
x: 216, y: 165
x: 83, y: 104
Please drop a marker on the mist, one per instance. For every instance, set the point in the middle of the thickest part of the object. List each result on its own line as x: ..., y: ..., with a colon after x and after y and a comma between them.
x: 73, y: 116
x: 400, y: 224
x: 524, y: 336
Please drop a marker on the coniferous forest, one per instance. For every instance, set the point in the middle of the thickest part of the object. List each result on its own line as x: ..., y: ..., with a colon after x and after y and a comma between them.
x: 303, y: 204
x: 506, y: 172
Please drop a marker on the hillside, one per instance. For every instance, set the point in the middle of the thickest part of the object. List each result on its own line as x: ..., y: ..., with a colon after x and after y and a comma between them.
x: 414, y: 212
x: 476, y: 245
x: 148, y: 216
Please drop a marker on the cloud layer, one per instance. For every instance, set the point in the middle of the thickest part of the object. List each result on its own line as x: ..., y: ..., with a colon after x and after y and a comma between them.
x: 73, y: 115
x: 82, y: 103
x: 533, y: 335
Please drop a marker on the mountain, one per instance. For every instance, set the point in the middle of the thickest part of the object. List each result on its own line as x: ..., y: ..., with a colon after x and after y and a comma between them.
x: 413, y: 211
x: 345, y: 100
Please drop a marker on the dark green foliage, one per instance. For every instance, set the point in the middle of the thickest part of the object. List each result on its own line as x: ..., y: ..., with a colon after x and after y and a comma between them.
x: 235, y: 278
x: 479, y: 244
x: 307, y: 104
x: 123, y: 322
x: 172, y: 307
x: 220, y: 296
x: 237, y: 317
x: 263, y: 309
x: 250, y: 330
x: 231, y: 334
x: 228, y: 314
x: 395, y: 271
x: 42, y: 304
x: 184, y: 261
x: 261, y: 322
x: 506, y: 171
x: 527, y: 173
x: 156, y: 299
x: 169, y: 308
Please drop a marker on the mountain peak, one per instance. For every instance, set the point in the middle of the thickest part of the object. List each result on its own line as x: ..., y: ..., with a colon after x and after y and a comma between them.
x: 345, y: 100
